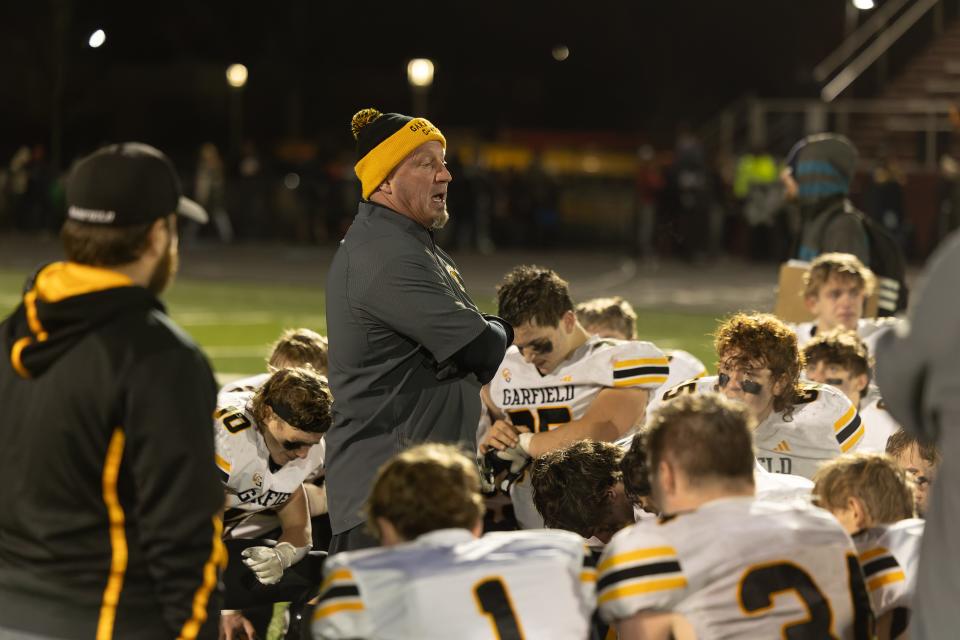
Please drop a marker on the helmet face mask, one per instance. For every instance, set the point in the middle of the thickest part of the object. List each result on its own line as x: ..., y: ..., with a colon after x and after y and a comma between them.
x: 497, y: 474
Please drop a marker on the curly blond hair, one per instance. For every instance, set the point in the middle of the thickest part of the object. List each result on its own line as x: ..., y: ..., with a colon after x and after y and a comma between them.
x: 762, y: 339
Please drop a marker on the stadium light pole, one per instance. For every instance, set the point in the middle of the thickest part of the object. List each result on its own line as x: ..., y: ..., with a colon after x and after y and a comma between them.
x: 237, y: 75
x: 420, y: 77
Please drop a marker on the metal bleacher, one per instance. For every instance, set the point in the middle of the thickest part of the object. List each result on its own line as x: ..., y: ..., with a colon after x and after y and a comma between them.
x: 892, y: 86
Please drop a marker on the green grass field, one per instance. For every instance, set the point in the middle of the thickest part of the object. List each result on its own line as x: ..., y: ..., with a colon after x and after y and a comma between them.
x: 235, y: 322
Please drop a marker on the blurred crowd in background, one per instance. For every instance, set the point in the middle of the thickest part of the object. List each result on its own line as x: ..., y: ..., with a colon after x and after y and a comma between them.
x: 680, y: 203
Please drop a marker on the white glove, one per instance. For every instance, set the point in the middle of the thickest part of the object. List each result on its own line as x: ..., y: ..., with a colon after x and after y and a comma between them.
x: 268, y: 563
x: 524, y: 444
x: 516, y: 456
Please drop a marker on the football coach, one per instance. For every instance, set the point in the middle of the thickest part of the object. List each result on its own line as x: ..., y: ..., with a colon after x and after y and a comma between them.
x: 409, y: 349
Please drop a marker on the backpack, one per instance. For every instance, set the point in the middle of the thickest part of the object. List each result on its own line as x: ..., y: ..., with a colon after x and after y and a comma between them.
x: 886, y: 261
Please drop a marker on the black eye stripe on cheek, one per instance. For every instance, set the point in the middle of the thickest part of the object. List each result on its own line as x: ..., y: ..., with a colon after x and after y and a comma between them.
x: 544, y: 346
x: 748, y: 386
x: 751, y: 387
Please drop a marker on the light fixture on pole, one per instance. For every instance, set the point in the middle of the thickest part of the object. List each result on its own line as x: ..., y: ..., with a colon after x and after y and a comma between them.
x: 237, y: 75
x: 864, y: 5
x: 420, y: 72
x: 97, y: 38
x: 420, y: 77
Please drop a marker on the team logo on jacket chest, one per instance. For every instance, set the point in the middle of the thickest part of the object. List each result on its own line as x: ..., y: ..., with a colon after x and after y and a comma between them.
x: 456, y: 277
x: 537, y: 396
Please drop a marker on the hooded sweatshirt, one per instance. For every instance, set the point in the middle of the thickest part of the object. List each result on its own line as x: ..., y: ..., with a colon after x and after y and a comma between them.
x: 109, y: 506
x: 823, y: 165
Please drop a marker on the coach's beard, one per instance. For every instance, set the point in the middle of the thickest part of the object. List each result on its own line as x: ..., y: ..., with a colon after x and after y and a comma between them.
x: 163, y: 273
x: 441, y: 220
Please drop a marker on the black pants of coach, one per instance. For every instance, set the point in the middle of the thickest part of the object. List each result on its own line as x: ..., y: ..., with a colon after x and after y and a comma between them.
x: 353, y: 540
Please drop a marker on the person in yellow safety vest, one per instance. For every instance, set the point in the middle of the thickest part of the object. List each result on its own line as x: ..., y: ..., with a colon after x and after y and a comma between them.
x: 754, y: 168
x: 756, y: 187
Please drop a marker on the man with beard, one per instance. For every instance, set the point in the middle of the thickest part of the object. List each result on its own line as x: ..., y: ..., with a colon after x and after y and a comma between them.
x: 408, y: 347
x: 111, y: 517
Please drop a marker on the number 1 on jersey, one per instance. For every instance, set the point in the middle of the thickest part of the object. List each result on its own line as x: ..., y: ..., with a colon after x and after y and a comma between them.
x: 494, y: 602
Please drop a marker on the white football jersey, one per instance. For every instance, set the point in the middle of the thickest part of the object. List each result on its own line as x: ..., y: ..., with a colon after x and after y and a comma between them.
x: 241, y: 385
x: 546, y: 402
x: 879, y: 425
x: 889, y: 555
x: 738, y: 568
x: 448, y: 584
x: 252, y: 481
x: 824, y: 424
x: 780, y: 487
x: 683, y: 367
x: 869, y: 330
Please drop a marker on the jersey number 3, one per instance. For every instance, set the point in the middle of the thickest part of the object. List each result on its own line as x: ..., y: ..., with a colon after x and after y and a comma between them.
x: 494, y: 602
x: 761, y: 584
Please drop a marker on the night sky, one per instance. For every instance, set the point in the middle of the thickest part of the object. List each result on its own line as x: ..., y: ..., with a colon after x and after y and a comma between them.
x: 640, y: 67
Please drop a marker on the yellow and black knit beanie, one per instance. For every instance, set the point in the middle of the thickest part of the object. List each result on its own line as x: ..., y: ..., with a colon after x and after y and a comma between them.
x: 384, y: 140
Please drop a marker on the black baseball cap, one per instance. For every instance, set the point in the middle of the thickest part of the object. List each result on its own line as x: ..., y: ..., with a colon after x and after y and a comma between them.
x: 127, y: 184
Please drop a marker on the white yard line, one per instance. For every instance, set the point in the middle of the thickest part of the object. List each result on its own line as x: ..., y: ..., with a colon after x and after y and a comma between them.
x: 243, y: 318
x: 198, y: 318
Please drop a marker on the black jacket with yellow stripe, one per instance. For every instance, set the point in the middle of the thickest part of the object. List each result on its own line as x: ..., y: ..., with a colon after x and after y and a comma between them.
x: 109, y: 497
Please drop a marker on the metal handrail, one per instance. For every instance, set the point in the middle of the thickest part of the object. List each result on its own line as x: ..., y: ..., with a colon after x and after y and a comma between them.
x: 860, y: 105
x: 876, y: 49
x: 857, y: 39
x: 740, y: 123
